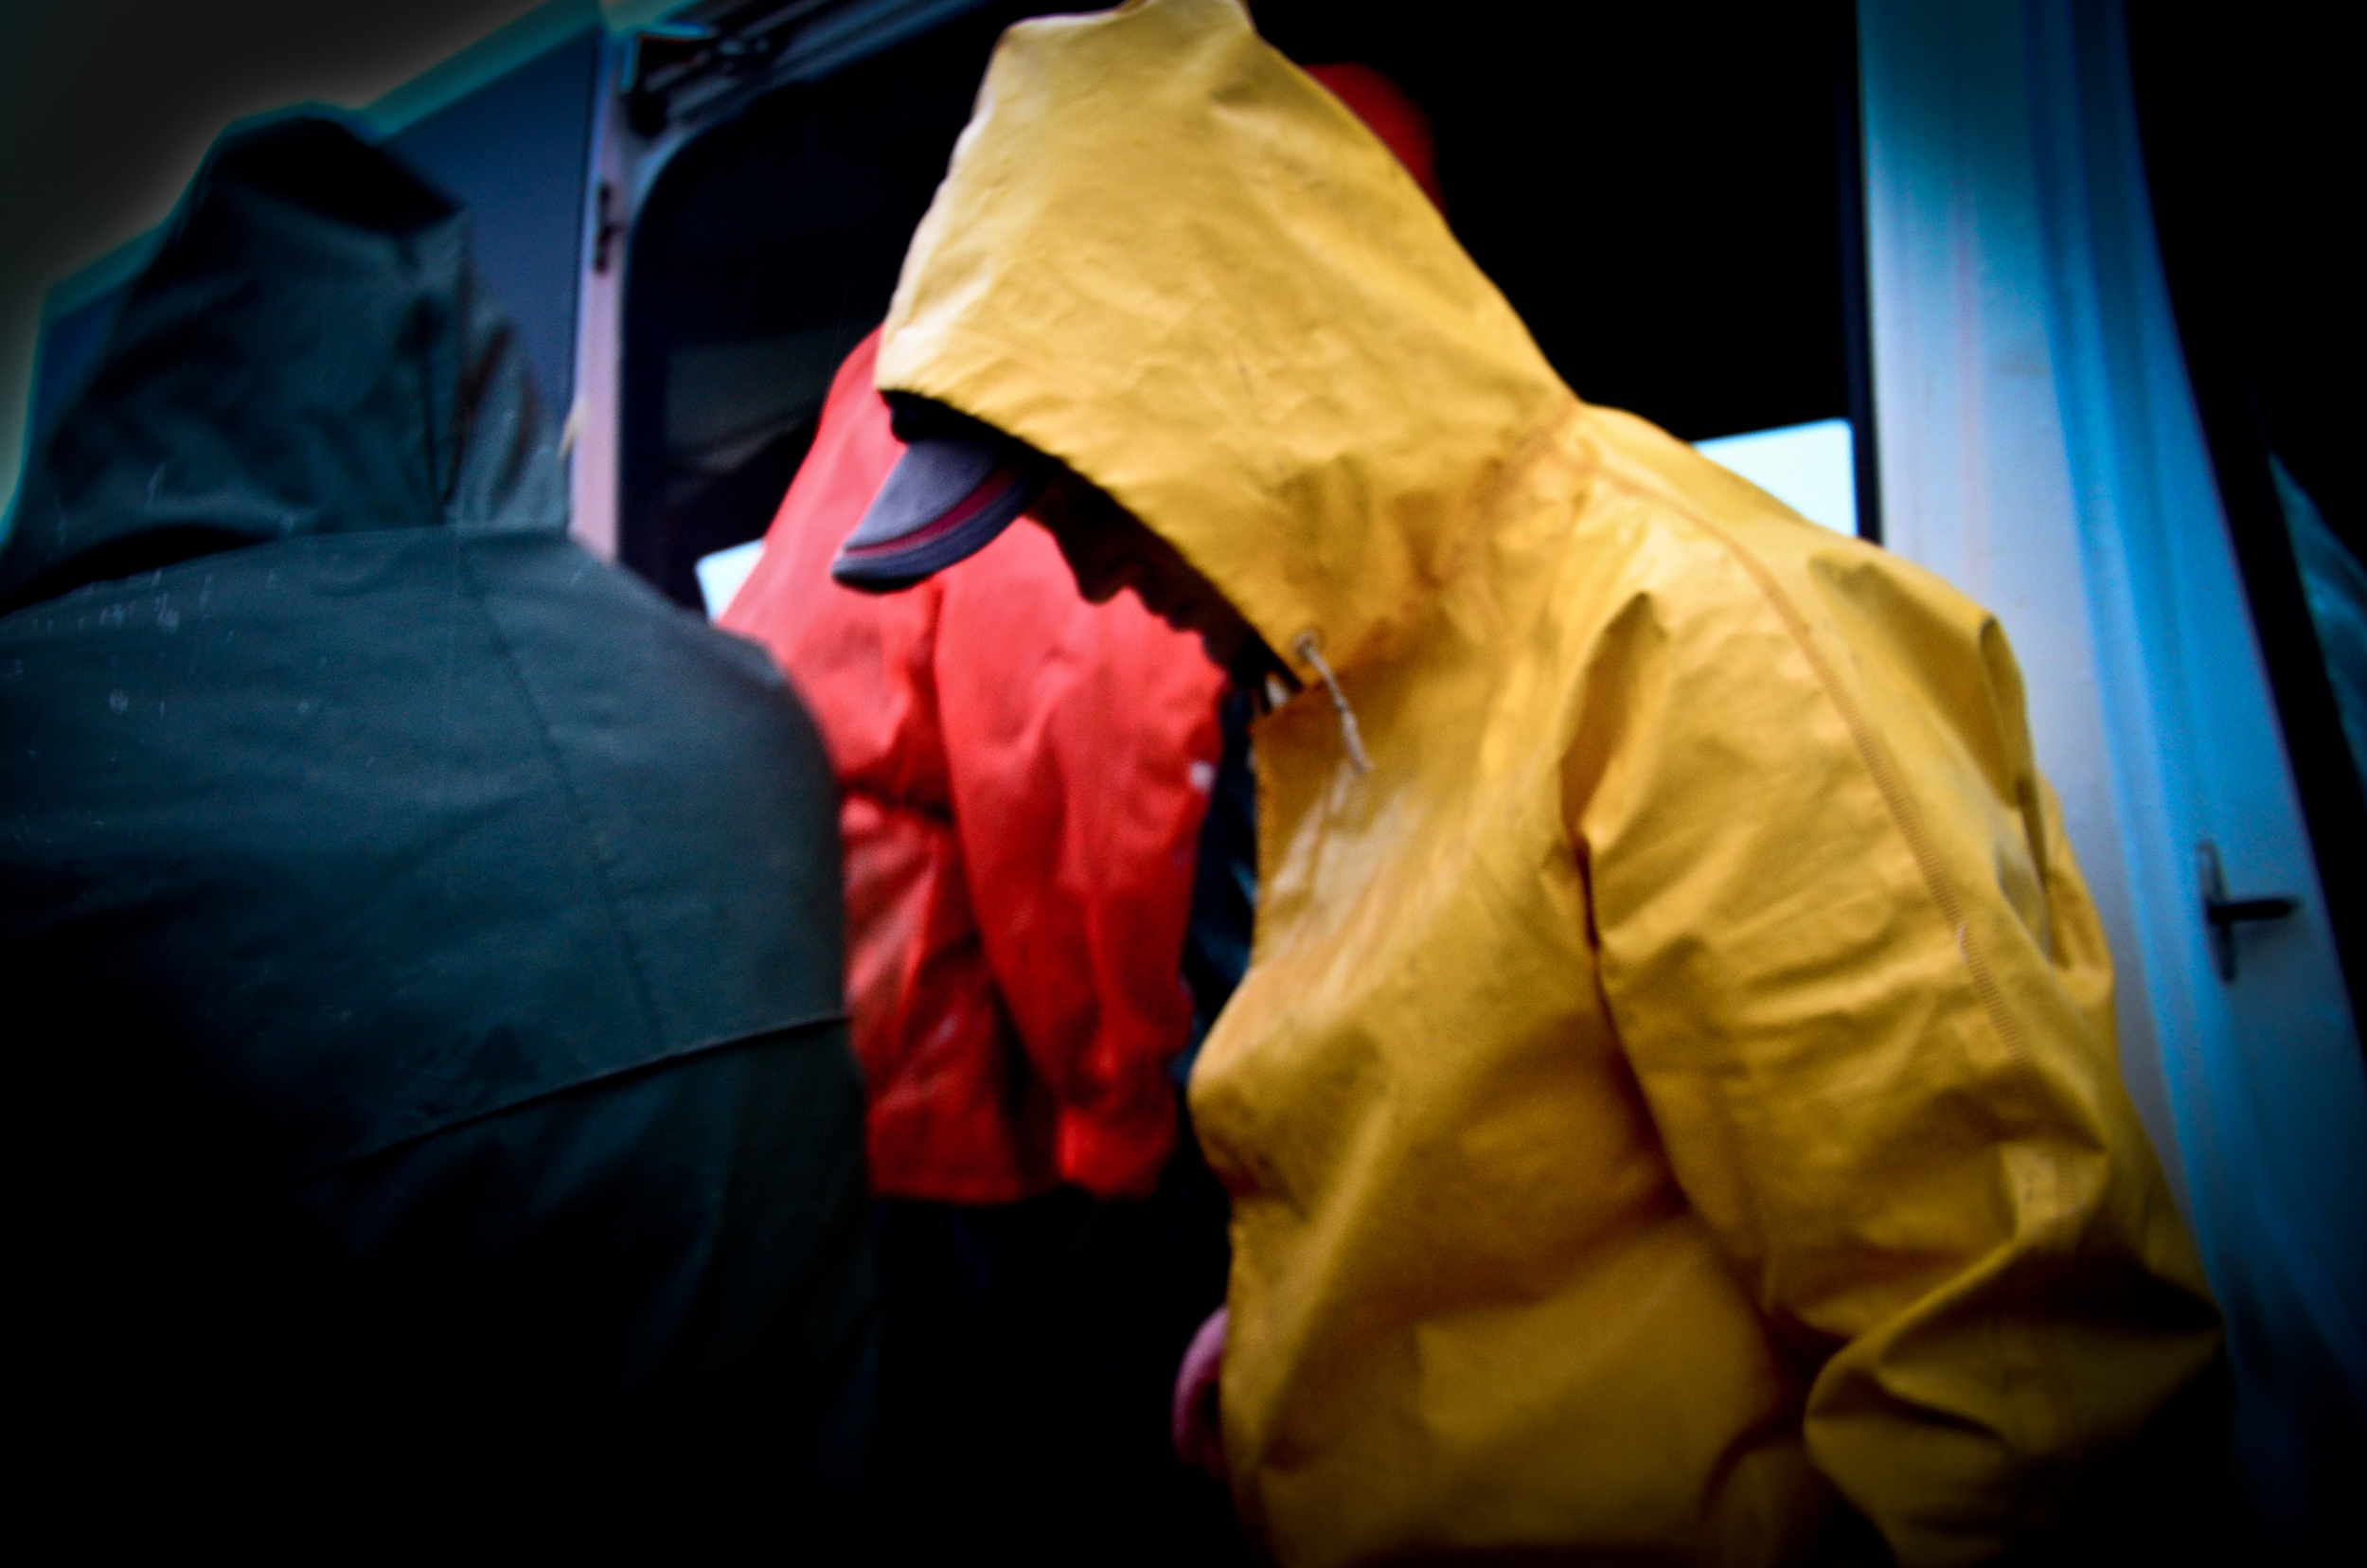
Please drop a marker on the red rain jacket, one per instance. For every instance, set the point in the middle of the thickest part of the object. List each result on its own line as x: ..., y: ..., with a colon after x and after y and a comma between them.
x: 1002, y: 747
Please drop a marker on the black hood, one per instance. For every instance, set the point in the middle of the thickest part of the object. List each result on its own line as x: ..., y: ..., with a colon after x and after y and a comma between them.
x: 309, y: 352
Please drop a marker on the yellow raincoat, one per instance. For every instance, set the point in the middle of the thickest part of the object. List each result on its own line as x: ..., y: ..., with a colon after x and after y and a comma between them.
x: 1676, y: 1083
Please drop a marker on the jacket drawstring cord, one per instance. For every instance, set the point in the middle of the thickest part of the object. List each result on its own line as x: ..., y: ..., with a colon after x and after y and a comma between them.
x: 1305, y: 648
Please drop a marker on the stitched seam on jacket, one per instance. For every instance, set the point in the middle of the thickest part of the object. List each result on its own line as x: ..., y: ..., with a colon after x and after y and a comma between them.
x: 465, y: 568
x: 1899, y: 802
x: 1970, y: 949
x: 669, y: 1058
x: 665, y: 1051
x: 1896, y: 798
x: 1895, y: 794
x: 465, y: 577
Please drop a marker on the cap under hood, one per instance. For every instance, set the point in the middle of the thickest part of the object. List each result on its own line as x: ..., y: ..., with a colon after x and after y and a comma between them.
x: 309, y: 352
x: 1165, y: 256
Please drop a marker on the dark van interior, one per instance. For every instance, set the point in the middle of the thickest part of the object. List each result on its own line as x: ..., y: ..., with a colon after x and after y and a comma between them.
x: 1665, y: 196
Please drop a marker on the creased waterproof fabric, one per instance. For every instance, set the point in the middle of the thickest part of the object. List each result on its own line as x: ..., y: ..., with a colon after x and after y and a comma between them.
x: 386, y: 744
x: 1677, y: 1082
x: 1024, y: 774
x: 403, y: 912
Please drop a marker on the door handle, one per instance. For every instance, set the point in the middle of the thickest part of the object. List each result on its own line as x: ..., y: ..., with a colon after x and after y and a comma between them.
x: 2223, y: 914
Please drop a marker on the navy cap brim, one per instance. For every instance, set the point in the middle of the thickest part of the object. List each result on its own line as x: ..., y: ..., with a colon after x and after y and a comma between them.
x: 945, y: 500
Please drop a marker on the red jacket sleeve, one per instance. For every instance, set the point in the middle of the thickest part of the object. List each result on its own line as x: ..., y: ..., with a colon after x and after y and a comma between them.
x: 1081, y: 743
x: 1024, y: 777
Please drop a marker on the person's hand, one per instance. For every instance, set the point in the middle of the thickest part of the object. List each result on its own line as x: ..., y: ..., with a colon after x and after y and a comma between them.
x: 1199, y: 1438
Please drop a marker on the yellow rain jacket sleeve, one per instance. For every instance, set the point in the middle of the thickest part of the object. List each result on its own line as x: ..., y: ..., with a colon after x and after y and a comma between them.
x: 1674, y: 1090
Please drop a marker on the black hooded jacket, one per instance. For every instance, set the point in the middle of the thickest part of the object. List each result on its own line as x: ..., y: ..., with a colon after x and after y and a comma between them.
x: 423, y: 941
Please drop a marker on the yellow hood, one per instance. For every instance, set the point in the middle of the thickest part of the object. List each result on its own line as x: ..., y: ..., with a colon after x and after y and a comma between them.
x: 1172, y: 261
x: 1674, y: 1090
